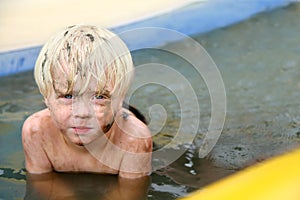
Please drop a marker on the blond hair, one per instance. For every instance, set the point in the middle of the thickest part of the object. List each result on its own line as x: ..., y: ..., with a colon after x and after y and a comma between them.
x: 84, y: 52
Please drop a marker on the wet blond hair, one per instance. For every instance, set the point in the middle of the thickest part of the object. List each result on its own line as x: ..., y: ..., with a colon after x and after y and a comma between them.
x: 83, y: 52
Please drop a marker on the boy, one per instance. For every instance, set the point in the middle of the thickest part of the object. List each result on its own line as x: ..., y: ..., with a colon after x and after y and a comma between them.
x: 83, y: 74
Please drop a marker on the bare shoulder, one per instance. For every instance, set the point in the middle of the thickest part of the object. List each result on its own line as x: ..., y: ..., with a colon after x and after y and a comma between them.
x: 135, y: 135
x: 33, y: 132
x: 35, y: 123
x: 135, y: 127
x: 135, y: 138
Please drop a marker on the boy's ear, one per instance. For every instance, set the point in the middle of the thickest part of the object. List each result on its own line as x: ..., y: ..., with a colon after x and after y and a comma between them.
x: 121, y: 101
x: 46, y: 102
x: 117, y: 104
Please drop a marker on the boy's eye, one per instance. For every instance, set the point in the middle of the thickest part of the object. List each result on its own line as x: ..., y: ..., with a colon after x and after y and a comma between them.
x: 99, y: 96
x: 68, y: 96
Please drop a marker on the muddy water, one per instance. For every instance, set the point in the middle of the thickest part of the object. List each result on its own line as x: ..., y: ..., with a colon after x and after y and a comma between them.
x: 259, y: 62
x: 260, y: 65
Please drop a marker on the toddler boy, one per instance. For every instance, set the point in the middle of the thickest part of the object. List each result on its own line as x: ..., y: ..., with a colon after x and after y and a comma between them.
x: 83, y: 74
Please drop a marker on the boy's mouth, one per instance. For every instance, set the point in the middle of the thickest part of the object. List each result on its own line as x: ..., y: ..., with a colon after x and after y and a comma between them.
x: 81, y: 129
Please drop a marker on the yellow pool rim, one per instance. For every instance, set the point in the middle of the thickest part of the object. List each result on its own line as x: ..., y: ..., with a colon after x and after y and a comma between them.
x: 274, y: 179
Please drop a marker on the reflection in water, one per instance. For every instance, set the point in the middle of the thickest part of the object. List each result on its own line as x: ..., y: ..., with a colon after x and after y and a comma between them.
x: 191, y: 172
x: 78, y: 186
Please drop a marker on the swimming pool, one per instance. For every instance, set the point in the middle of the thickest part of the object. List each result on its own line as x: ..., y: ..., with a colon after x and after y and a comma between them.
x: 259, y: 62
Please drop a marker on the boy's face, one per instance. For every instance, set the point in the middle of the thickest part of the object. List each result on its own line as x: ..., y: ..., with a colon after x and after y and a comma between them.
x: 82, y: 118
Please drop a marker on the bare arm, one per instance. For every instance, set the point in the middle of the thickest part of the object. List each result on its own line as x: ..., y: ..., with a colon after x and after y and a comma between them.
x: 35, y: 157
x: 137, y: 145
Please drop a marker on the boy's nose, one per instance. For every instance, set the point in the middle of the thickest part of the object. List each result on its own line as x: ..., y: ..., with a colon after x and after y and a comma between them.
x: 82, y: 109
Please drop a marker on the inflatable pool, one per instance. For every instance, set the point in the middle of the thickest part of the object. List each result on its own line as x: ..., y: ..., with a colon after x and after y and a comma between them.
x: 276, y: 179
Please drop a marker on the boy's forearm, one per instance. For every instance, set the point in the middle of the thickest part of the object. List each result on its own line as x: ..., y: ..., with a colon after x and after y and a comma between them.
x: 38, y: 167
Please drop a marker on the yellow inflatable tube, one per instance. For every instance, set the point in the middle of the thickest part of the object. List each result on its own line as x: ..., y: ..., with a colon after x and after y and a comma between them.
x: 275, y: 179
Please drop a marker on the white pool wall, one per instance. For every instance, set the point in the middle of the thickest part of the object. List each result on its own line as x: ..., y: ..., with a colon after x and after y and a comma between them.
x: 189, y: 19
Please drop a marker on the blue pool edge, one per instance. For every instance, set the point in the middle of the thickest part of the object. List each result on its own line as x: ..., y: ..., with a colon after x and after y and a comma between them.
x: 195, y: 18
